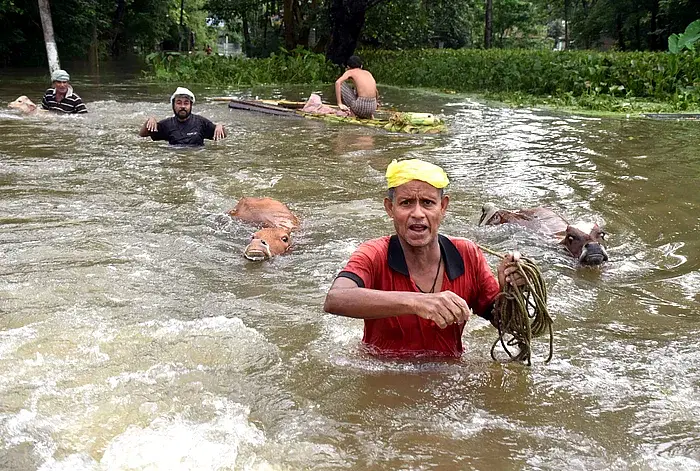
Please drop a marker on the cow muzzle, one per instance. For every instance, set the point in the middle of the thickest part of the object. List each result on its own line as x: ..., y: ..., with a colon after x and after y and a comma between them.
x: 257, y: 251
x: 593, y: 255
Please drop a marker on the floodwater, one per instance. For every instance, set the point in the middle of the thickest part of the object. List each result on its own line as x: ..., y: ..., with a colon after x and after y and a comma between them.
x: 135, y: 336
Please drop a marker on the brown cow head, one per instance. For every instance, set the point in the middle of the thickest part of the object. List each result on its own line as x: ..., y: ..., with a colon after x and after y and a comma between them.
x: 587, y: 248
x: 268, y: 242
x: 23, y: 104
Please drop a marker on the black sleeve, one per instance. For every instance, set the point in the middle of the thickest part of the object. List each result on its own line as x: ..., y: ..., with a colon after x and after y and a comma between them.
x: 351, y: 276
x: 207, y: 128
x: 163, y: 131
x: 44, y: 102
x: 80, y: 106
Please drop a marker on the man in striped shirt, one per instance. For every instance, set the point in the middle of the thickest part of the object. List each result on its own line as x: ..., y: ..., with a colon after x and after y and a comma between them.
x: 61, y: 97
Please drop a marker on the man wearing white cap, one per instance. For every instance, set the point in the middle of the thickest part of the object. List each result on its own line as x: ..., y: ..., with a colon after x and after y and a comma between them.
x: 61, y: 98
x: 416, y: 289
x: 184, y: 128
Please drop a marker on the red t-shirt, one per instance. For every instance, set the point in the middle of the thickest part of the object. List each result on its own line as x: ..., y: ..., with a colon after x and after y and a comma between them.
x: 380, y: 264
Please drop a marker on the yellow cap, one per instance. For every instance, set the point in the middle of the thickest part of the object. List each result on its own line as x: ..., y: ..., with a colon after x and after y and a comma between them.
x: 398, y: 173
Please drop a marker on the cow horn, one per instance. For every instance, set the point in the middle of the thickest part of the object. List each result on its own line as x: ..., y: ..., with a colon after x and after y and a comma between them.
x: 488, y: 210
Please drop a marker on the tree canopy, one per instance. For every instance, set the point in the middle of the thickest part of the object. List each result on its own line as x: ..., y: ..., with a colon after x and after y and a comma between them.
x: 99, y: 28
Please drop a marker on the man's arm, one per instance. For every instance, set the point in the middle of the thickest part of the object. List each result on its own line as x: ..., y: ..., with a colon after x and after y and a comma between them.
x: 346, y: 298
x: 79, y: 106
x: 44, y: 102
x: 338, y: 84
x: 219, y: 132
x: 213, y: 131
x: 151, y: 125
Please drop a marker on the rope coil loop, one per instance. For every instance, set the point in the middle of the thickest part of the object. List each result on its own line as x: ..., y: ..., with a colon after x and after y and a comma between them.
x: 521, y: 313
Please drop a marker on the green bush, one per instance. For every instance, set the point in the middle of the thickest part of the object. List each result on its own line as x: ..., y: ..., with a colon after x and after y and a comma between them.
x: 606, y: 81
x: 298, y: 66
x: 648, y: 75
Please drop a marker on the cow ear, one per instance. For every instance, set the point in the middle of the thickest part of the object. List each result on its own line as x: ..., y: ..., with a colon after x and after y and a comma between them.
x: 561, y: 235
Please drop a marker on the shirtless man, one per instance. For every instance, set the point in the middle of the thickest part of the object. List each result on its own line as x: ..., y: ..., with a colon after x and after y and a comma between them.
x: 362, y: 100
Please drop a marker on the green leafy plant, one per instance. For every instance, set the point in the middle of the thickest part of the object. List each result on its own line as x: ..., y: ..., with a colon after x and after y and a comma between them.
x: 686, y: 40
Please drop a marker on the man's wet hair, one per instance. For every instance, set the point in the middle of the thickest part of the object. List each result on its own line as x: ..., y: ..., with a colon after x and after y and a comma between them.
x: 354, y: 62
x: 391, y: 192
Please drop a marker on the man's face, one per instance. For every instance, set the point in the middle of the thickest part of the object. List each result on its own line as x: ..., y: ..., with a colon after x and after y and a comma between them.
x: 61, y: 86
x: 182, y: 108
x: 417, y: 210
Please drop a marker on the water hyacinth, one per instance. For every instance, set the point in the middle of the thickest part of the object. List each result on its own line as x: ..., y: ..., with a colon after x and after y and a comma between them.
x: 603, y: 81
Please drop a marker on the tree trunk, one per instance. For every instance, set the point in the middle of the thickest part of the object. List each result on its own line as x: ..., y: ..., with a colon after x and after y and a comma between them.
x: 288, y: 19
x: 586, y: 37
x: 488, y: 24
x: 47, y: 26
x: 94, y: 54
x: 246, y: 34
x: 182, y: 30
x: 347, y: 17
x: 620, y: 34
x: 117, y: 27
x: 566, y: 24
x: 654, y: 25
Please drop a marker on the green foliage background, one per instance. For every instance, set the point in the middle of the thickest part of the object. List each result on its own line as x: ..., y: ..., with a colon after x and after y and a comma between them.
x: 609, y: 81
x: 100, y: 28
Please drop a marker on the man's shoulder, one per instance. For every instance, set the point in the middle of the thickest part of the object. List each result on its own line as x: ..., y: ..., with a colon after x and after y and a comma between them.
x: 365, y: 73
x: 462, y: 244
x: 374, y: 247
x: 50, y: 91
x: 167, y: 121
x: 201, y: 119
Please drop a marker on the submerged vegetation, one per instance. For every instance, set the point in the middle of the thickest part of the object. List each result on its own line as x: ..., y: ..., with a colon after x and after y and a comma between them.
x: 626, y: 82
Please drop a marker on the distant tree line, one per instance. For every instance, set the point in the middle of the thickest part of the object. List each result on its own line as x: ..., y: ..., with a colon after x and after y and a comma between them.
x: 110, y: 28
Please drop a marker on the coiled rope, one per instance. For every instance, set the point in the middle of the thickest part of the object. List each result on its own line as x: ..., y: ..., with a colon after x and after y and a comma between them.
x: 521, y: 312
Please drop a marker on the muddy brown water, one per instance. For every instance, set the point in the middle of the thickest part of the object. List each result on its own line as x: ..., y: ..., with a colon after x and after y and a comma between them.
x: 133, y: 334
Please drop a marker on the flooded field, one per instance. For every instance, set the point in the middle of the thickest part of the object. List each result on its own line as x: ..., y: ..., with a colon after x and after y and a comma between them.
x: 134, y: 335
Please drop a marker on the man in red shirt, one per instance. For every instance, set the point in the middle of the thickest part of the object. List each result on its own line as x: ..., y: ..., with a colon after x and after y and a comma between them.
x: 416, y: 289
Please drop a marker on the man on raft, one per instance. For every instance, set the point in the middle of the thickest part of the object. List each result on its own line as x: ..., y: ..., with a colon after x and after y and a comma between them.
x: 362, y: 100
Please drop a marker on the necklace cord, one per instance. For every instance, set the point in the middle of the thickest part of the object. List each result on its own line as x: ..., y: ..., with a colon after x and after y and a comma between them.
x: 432, y: 290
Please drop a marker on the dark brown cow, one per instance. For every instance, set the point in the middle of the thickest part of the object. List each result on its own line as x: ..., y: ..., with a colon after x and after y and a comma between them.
x: 277, y: 223
x: 586, y: 245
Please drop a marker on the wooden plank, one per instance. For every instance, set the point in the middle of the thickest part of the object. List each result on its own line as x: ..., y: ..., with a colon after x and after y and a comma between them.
x: 260, y: 108
x: 666, y: 116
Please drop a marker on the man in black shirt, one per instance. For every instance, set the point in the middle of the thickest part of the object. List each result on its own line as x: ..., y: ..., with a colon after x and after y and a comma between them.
x: 184, y: 128
x: 61, y: 97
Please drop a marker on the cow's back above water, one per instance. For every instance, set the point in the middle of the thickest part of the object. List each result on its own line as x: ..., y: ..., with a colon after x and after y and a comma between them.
x: 277, y: 223
x: 265, y: 212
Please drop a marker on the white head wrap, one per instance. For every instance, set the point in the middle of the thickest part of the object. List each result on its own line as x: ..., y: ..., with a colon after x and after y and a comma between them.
x: 60, y: 75
x: 184, y: 92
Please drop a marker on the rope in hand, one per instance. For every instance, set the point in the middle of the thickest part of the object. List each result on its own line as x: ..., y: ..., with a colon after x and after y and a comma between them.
x: 521, y: 312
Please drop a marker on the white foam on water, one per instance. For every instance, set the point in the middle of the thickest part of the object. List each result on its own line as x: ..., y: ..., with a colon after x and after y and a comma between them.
x: 166, y: 329
x: 12, y: 339
x: 180, y: 444
x: 176, y: 444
